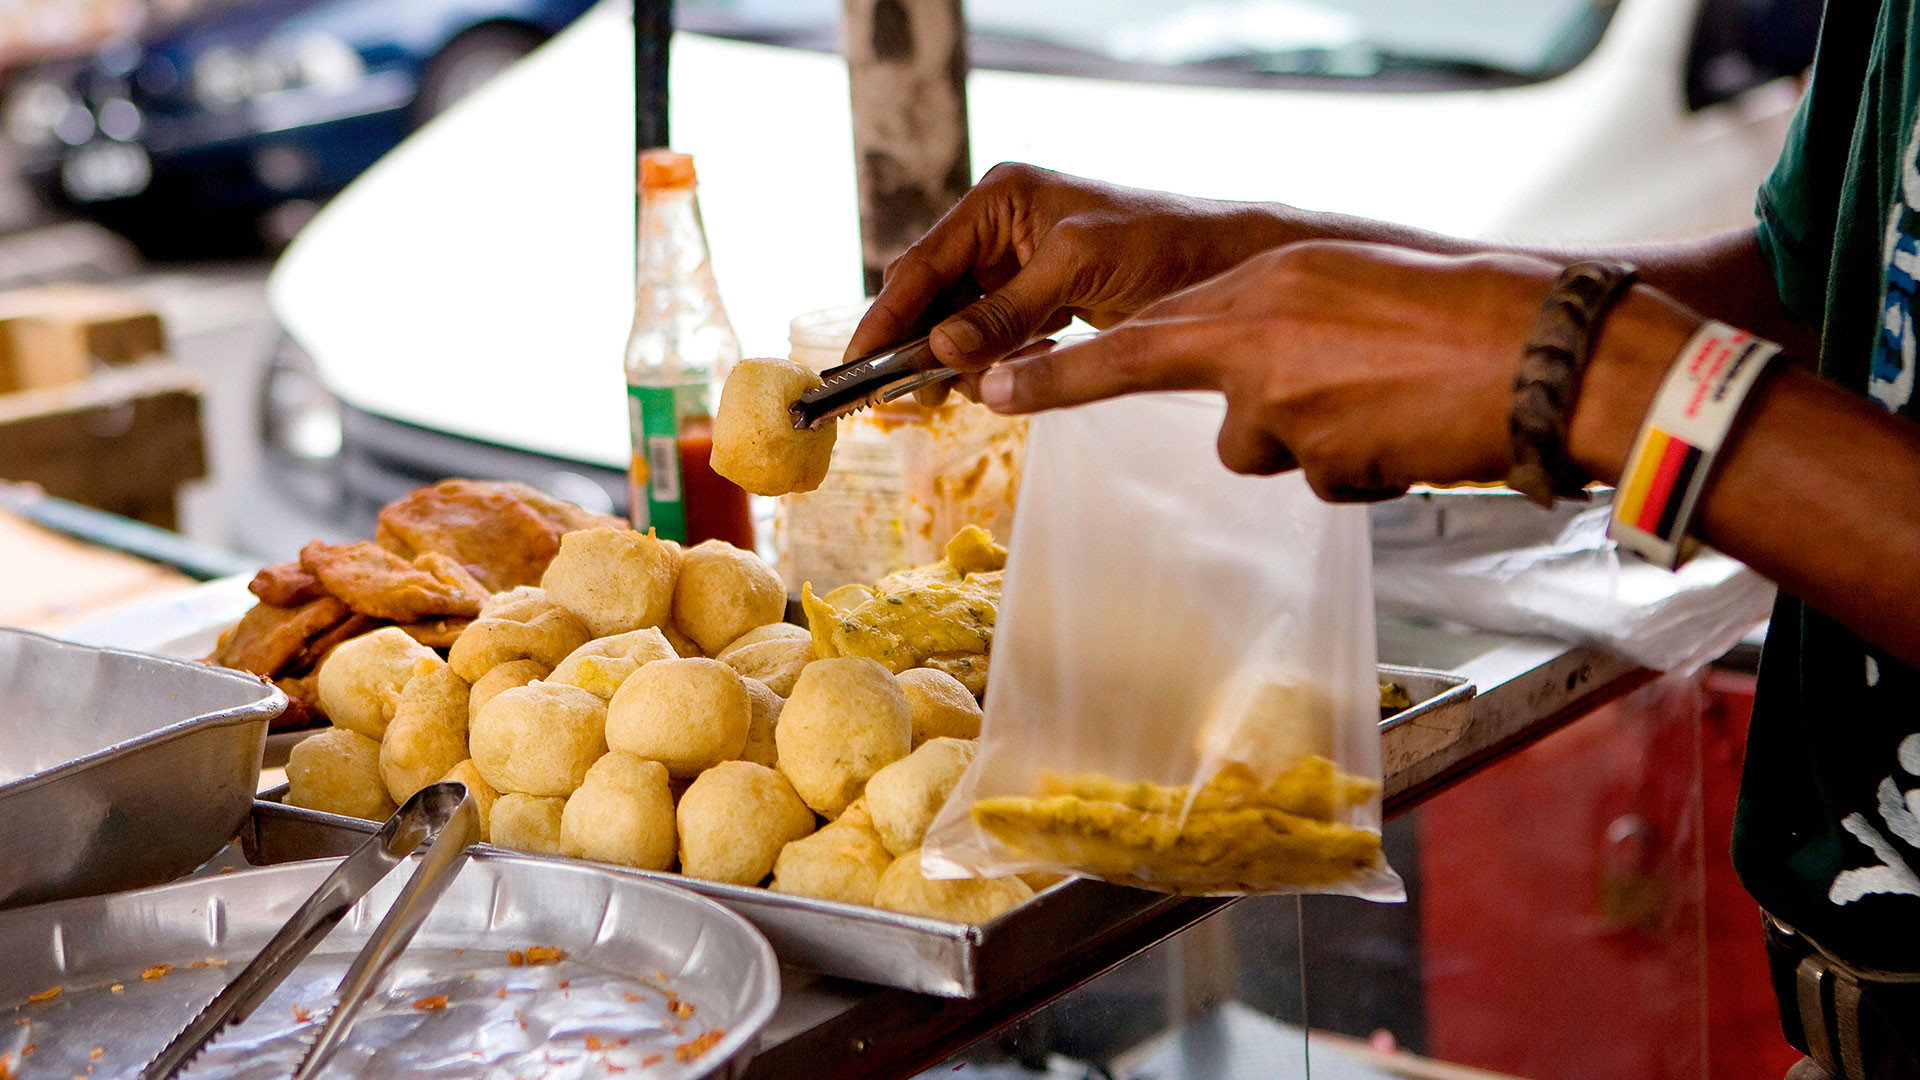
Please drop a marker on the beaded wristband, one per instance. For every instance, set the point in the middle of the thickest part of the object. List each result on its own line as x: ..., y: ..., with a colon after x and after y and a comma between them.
x: 1547, y: 383
x: 1673, y: 456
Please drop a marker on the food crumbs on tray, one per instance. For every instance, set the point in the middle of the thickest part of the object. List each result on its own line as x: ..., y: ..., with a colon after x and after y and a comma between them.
x: 300, y: 1014
x: 27, y: 1052
x: 95, y: 1053
x: 683, y: 1009
x: 501, y: 994
x: 540, y: 954
x: 48, y: 994
x: 228, y: 869
x: 211, y: 961
x: 651, y: 1060
x: 595, y: 1042
x: 564, y: 983
x: 516, y: 958
x: 431, y: 1004
x: 631, y: 996
x: 693, y: 1048
x: 6, y: 1067
x: 157, y: 971
x: 117, y: 988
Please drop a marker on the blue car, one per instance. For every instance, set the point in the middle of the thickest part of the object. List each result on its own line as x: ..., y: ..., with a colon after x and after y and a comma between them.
x: 198, y: 127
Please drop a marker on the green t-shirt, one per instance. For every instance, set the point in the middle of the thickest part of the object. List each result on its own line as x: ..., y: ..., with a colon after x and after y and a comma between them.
x: 1827, y: 835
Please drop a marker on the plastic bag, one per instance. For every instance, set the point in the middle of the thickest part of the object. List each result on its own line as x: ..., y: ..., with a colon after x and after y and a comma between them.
x: 1511, y: 567
x: 1183, y: 694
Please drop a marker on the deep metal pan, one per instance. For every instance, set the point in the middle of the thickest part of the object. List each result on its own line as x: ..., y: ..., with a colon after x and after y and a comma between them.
x: 119, y: 769
x: 928, y: 955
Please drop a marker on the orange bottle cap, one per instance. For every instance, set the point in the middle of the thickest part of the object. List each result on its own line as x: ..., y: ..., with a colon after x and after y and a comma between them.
x: 665, y: 169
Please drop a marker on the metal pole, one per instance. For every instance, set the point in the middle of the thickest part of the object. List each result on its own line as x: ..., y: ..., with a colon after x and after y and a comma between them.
x: 652, y: 33
x: 907, y: 67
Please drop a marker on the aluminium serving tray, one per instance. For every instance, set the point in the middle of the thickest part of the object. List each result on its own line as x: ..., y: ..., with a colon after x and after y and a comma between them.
x: 931, y: 956
x: 117, y: 769
x: 654, y: 981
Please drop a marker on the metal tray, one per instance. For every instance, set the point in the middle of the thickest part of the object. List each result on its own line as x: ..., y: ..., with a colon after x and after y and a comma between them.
x: 928, y: 955
x: 119, y: 769
x: 633, y: 948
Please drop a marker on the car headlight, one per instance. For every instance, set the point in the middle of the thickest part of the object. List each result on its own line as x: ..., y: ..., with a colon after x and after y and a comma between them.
x: 300, y: 421
x: 224, y: 77
x: 34, y: 110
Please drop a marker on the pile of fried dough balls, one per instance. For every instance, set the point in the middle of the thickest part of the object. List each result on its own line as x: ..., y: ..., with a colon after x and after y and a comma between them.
x: 646, y: 706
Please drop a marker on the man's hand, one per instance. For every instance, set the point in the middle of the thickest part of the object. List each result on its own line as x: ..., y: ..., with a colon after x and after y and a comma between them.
x: 1369, y: 367
x: 1048, y: 247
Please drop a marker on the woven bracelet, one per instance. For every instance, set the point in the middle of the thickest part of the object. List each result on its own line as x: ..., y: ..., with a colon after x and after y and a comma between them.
x: 1547, y: 384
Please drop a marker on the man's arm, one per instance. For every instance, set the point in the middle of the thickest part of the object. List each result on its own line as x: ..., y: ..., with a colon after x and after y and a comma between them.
x: 1721, y: 275
x: 1049, y: 246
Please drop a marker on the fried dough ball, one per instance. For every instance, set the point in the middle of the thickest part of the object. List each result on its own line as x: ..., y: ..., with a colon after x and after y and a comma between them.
x: 524, y: 625
x: 428, y: 735
x: 483, y: 793
x: 846, y: 719
x: 520, y: 602
x: 338, y: 772
x: 682, y: 645
x: 841, y: 862
x: 602, y: 664
x: 361, y: 680
x: 616, y: 580
x: 942, y: 705
x: 623, y: 813
x: 539, y: 739
x: 1268, y: 723
x: 734, y: 820
x: 763, y: 716
x: 688, y: 714
x: 723, y: 592
x: 903, y: 888
x: 755, y: 443
x: 905, y: 796
x: 526, y: 823
x: 774, y: 658
x: 504, y: 677
x: 773, y: 631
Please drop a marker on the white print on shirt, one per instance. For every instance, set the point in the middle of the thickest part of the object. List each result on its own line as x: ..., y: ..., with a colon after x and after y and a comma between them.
x: 1890, y: 375
x: 1901, y: 813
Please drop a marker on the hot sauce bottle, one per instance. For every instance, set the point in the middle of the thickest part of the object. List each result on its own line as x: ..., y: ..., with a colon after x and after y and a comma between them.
x: 682, y: 345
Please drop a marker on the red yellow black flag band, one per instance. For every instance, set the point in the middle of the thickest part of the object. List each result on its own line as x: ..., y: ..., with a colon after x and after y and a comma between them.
x: 1674, y: 455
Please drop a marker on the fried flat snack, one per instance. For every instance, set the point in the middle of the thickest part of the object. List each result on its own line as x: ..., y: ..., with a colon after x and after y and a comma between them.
x: 1234, y: 834
x: 437, y: 633
x: 374, y: 581
x: 267, y: 637
x: 505, y: 534
x: 286, y: 585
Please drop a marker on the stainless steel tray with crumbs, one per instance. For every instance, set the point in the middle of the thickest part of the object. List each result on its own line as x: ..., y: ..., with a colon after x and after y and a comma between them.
x: 927, y: 955
x: 525, y: 967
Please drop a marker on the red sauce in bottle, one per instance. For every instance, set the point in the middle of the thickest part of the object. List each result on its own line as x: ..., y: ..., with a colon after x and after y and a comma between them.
x: 716, y: 506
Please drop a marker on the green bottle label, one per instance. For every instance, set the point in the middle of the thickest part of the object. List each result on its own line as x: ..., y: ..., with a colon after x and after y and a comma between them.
x: 654, y: 414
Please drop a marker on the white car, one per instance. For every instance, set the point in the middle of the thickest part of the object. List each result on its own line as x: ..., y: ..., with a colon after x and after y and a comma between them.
x: 462, y: 307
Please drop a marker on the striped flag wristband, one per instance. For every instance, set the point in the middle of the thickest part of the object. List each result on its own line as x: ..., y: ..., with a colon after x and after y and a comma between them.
x: 1682, y: 435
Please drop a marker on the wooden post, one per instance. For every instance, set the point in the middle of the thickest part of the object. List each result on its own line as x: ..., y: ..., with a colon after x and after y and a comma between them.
x: 907, y: 66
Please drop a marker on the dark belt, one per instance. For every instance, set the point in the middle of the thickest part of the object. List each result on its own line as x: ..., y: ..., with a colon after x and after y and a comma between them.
x: 1856, y: 1023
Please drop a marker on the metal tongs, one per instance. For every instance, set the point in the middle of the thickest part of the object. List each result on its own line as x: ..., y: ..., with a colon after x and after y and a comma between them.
x: 443, y: 812
x: 889, y: 374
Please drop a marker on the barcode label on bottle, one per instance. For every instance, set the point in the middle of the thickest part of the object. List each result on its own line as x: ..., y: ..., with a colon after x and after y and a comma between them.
x: 663, y: 465
x: 656, y: 486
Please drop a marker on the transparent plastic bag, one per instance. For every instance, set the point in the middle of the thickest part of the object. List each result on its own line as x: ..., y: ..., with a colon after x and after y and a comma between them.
x: 1183, y: 694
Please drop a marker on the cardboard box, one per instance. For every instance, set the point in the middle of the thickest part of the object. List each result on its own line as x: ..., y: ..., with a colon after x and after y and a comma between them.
x: 57, y: 334
x: 123, y: 440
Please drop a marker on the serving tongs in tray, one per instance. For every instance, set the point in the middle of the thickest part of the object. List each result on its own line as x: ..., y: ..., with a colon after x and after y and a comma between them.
x: 887, y: 375
x: 444, y: 813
